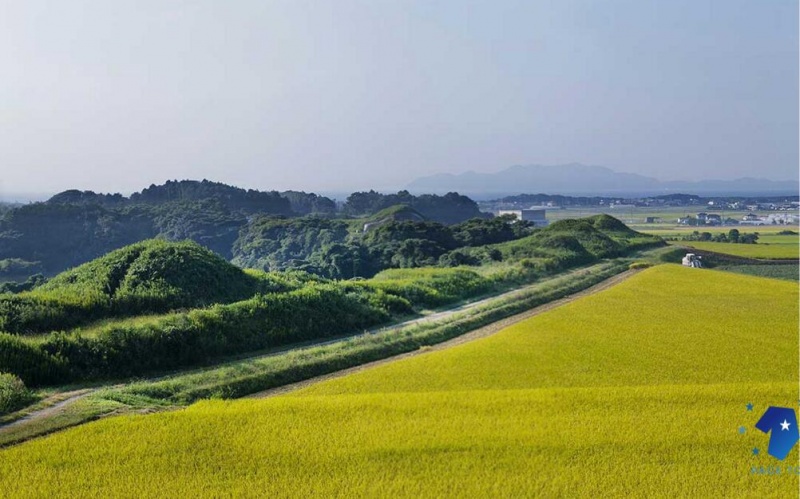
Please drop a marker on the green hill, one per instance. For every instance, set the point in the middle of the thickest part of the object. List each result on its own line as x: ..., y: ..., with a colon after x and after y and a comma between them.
x: 151, y: 276
x: 398, y: 213
x: 185, y: 272
x: 576, y: 241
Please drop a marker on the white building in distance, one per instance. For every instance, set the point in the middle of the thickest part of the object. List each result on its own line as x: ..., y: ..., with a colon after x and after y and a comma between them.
x: 536, y: 217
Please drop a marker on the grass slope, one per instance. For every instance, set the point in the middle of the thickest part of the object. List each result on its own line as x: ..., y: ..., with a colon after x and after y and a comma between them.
x: 638, y: 390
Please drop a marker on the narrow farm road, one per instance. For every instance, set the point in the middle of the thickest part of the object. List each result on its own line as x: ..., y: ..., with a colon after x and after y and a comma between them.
x: 63, y: 400
x: 482, y: 332
x: 54, y: 405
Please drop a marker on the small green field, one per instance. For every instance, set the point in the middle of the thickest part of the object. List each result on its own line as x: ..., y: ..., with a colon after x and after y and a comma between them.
x: 767, y: 251
x: 636, y: 391
x: 789, y: 271
x: 764, y: 231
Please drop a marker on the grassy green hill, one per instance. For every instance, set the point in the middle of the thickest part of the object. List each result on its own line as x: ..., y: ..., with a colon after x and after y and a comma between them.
x: 635, y: 391
x: 571, y: 242
x: 151, y: 276
x: 185, y: 272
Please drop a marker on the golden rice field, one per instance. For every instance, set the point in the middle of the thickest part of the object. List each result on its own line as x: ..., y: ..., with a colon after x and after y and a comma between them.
x: 637, y: 391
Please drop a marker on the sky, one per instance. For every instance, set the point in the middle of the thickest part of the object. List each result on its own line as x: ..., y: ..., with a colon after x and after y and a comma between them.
x: 343, y: 95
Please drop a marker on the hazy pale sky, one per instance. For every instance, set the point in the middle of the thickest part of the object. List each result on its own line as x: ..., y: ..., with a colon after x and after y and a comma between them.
x: 343, y: 95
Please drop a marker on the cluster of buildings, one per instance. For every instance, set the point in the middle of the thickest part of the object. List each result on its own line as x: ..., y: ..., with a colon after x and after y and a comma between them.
x: 704, y: 218
x: 771, y: 219
x: 536, y: 216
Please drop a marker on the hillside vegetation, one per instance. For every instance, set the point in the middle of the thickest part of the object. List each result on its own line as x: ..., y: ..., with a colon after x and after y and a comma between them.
x: 197, y: 307
x: 648, y: 400
x: 396, y: 237
x: 147, y: 277
x: 571, y: 242
x: 74, y: 227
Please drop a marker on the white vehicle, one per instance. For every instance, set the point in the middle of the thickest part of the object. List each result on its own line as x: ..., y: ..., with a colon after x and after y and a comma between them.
x: 692, y: 260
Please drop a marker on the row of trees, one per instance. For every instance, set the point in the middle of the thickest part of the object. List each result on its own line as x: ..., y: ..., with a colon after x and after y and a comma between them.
x: 733, y: 236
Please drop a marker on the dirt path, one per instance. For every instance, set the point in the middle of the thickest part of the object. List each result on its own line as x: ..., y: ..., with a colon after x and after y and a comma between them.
x: 482, y: 332
x: 433, y: 316
x: 63, y: 400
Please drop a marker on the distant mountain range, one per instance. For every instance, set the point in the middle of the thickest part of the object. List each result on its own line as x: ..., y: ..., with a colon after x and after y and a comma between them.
x: 578, y: 179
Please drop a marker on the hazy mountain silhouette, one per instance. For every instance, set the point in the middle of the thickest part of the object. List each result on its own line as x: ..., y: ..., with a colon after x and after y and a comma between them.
x: 576, y: 178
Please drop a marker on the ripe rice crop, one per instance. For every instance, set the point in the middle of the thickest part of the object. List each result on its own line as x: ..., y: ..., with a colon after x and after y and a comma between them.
x: 636, y: 391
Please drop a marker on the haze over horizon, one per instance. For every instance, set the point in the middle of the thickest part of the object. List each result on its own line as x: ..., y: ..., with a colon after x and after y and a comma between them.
x: 349, y: 95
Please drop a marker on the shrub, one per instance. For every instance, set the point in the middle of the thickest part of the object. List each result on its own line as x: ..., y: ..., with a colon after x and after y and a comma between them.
x: 13, y: 393
x: 28, y: 361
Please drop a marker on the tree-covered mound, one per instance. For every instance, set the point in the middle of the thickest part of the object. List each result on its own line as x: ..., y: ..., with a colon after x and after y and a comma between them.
x: 150, y: 276
x: 571, y: 242
x: 185, y: 272
x: 395, y: 237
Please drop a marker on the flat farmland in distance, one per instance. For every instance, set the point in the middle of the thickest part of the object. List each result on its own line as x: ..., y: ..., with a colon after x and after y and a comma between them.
x: 766, y: 251
x: 638, y: 391
x: 789, y: 271
x: 636, y: 216
x: 764, y: 231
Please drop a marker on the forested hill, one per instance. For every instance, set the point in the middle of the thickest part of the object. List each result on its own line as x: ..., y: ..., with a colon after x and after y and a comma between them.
x: 74, y: 226
x: 448, y: 209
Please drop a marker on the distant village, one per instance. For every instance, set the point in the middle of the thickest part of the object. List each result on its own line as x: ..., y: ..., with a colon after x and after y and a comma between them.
x: 705, y: 211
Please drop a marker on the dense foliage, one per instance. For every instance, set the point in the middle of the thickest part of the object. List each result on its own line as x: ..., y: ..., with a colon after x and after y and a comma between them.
x: 336, y: 249
x: 733, y: 236
x: 74, y: 226
x: 198, y: 336
x: 448, y: 209
x: 26, y: 285
x: 271, y: 243
x: 13, y: 393
x: 568, y: 243
x: 147, y: 277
